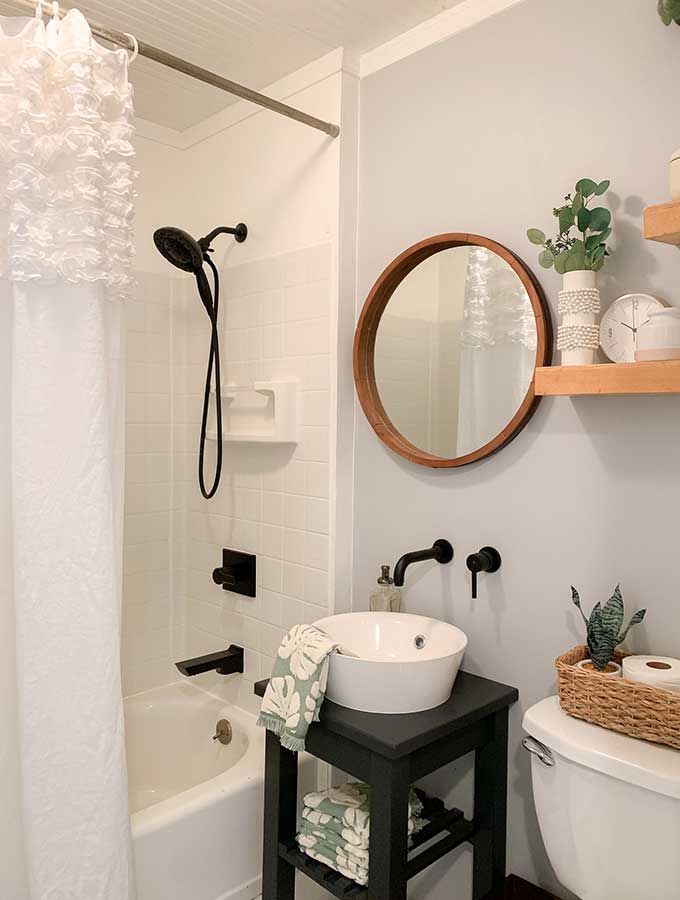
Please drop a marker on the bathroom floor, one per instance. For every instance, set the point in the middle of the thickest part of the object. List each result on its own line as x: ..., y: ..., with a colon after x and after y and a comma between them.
x: 517, y: 888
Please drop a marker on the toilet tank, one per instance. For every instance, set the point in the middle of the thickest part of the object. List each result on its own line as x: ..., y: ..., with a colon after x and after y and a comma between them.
x: 608, y: 808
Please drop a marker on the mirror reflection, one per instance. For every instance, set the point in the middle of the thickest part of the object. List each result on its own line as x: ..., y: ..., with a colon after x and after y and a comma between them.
x: 455, y: 351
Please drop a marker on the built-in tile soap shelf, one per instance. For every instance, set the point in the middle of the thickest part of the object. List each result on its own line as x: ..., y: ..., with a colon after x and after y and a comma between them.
x: 264, y: 413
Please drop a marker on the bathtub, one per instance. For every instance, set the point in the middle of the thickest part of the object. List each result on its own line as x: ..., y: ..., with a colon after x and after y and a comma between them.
x: 195, y: 804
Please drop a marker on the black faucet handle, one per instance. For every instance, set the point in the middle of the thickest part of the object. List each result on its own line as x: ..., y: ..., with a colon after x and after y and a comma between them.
x: 224, y: 575
x: 488, y: 559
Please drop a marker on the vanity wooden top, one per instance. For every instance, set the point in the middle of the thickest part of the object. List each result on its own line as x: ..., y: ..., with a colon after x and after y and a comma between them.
x: 473, y: 699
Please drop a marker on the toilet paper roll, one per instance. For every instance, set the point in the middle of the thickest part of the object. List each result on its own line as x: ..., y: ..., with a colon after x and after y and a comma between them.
x: 657, y: 671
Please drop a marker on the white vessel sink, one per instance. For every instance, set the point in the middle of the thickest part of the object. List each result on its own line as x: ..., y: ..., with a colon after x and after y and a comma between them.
x: 403, y: 663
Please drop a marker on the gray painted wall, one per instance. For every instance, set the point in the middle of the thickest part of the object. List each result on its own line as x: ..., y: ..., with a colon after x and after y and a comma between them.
x: 485, y: 133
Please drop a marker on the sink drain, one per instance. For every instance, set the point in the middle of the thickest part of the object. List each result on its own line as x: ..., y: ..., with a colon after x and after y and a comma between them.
x: 419, y: 641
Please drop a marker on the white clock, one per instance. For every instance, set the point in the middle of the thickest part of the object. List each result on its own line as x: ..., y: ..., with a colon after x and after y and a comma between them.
x: 622, y: 323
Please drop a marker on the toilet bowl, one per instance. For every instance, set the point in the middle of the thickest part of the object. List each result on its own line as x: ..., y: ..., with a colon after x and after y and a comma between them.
x: 608, y: 807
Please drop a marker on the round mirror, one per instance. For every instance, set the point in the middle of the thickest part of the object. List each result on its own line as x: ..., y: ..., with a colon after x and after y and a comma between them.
x: 446, y: 348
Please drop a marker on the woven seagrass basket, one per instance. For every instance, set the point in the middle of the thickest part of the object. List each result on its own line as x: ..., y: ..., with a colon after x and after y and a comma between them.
x: 629, y: 707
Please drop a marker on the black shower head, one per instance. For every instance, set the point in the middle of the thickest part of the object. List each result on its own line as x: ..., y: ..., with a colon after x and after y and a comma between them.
x: 179, y: 248
x: 183, y: 251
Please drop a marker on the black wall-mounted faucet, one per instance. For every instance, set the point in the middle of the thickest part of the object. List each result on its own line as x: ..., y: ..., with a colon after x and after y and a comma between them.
x: 488, y: 559
x: 224, y: 662
x: 441, y: 550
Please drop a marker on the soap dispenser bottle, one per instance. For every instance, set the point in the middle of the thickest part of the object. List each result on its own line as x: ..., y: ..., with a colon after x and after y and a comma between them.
x: 386, y: 597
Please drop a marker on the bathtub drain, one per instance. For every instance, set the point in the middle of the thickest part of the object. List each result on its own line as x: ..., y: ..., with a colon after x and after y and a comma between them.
x: 223, y: 732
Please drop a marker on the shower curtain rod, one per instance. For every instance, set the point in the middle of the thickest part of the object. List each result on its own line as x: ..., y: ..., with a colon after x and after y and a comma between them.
x: 187, y: 68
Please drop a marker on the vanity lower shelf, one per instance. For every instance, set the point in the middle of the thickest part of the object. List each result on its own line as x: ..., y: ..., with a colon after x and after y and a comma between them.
x: 660, y: 377
x: 448, y: 822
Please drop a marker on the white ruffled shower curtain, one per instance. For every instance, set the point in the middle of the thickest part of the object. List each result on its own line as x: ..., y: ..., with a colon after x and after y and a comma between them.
x: 66, y: 203
x: 498, y: 349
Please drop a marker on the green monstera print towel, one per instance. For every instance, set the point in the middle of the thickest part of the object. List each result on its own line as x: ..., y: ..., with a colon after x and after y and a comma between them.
x: 297, y: 687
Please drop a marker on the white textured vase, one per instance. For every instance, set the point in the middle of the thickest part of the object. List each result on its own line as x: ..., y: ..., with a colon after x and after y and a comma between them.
x: 579, y: 307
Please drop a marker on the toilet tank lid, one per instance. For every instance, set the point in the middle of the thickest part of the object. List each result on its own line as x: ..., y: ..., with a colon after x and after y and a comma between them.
x: 650, y: 766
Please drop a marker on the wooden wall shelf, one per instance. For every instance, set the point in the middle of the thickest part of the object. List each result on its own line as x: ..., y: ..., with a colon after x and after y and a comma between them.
x: 661, y: 377
x: 662, y: 223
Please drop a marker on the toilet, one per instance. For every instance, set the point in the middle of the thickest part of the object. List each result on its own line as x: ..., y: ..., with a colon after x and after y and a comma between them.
x: 608, y: 807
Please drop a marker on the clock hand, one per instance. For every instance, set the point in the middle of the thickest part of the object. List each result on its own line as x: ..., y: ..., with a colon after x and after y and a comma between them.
x: 643, y: 323
x: 626, y: 325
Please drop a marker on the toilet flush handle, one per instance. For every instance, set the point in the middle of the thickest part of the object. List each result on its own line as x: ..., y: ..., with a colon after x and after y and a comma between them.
x: 539, y: 750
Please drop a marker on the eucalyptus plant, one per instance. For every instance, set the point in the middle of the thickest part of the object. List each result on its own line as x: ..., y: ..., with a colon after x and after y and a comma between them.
x: 585, y: 249
x: 603, y: 627
x: 669, y: 10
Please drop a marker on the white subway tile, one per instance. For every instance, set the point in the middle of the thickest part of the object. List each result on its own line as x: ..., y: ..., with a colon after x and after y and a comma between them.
x: 272, y: 341
x: 315, y: 443
x: 295, y: 477
x: 271, y: 574
x: 306, y: 301
x: 315, y: 407
x: 270, y: 606
x: 271, y: 307
x: 294, y: 511
x: 294, y: 546
x: 291, y: 613
x: 272, y: 508
x: 316, y: 587
x: 316, y: 479
x: 316, y: 515
x: 247, y: 504
x: 293, y: 580
x: 307, y: 338
x: 317, y: 372
x: 134, y: 316
x: 270, y: 641
x: 316, y: 550
x: 271, y: 541
x: 318, y: 260
x: 273, y: 479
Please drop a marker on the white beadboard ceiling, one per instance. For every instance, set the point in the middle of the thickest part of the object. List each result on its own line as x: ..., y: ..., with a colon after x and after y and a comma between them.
x: 254, y: 42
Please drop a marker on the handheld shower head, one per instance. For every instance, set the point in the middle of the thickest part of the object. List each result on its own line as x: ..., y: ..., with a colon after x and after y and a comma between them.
x: 188, y: 254
x: 179, y: 248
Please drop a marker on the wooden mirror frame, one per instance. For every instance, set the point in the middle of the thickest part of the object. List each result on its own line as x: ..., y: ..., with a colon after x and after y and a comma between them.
x: 367, y: 330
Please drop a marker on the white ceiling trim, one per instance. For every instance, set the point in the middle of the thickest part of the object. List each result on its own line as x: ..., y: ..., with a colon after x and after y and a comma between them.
x: 433, y: 31
x: 285, y: 90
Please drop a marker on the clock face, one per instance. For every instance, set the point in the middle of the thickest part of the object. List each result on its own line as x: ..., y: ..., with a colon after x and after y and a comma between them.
x: 623, y: 321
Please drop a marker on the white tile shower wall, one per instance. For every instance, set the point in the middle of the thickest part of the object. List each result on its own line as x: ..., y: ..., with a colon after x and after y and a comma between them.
x: 273, y: 499
x: 147, y: 586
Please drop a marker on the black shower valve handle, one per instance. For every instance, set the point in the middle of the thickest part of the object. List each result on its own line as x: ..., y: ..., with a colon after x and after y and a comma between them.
x: 224, y: 575
x: 488, y: 559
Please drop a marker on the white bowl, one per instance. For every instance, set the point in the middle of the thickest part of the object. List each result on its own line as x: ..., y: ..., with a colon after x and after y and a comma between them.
x: 403, y: 663
x: 660, y: 337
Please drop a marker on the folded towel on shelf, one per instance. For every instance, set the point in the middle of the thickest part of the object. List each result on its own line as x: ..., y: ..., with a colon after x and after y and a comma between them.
x: 297, y: 687
x: 332, y: 841
x: 335, y: 862
x: 348, y: 807
x: 335, y: 827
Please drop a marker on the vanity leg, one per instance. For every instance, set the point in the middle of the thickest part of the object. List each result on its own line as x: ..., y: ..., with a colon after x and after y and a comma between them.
x: 280, y: 812
x: 388, y: 842
x: 490, y: 815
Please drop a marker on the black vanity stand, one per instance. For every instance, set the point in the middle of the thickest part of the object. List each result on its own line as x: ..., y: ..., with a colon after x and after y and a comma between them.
x: 390, y: 753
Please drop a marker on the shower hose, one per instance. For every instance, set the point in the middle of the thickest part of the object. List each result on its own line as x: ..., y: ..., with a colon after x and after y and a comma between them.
x: 213, y: 364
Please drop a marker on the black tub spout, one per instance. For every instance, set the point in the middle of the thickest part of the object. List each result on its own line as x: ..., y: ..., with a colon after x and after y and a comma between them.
x: 224, y: 662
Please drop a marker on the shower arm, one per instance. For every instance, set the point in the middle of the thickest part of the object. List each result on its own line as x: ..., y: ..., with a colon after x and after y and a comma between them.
x: 240, y: 233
